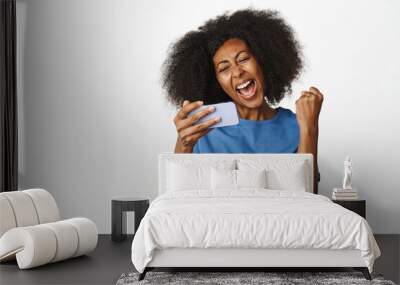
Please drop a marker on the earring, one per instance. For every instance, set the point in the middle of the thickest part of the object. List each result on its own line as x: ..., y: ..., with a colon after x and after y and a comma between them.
x: 266, y: 100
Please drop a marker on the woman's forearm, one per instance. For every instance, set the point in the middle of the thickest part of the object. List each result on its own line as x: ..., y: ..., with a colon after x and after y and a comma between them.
x: 309, y: 144
x: 180, y: 148
x: 308, y: 107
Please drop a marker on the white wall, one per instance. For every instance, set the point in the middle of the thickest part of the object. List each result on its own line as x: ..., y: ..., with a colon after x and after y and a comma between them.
x: 93, y: 117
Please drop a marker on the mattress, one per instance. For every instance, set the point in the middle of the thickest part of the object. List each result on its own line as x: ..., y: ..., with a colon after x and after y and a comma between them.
x: 250, y: 218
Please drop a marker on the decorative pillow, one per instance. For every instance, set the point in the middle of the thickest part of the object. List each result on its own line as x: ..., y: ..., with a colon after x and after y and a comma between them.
x: 193, y: 174
x: 237, y: 179
x: 281, y: 174
x: 223, y: 179
x: 251, y: 178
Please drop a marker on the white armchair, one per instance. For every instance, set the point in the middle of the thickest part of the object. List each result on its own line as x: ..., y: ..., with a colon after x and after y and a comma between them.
x: 32, y: 233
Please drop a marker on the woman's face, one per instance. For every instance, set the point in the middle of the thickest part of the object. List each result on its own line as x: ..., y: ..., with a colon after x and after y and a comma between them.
x: 239, y: 74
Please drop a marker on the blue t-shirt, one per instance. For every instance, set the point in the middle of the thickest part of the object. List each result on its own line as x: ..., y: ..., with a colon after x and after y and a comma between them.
x: 277, y: 135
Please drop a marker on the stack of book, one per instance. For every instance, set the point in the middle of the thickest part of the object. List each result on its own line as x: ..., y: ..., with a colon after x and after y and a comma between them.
x: 344, y: 194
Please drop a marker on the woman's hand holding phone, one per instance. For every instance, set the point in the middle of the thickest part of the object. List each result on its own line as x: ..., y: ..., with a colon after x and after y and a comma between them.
x: 188, y: 131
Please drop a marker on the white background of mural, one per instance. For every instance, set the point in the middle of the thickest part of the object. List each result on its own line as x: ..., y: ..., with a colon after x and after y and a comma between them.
x: 93, y: 117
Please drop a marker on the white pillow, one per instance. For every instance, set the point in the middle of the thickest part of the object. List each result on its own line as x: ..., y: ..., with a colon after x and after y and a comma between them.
x: 223, y: 179
x: 281, y: 174
x: 237, y: 179
x: 293, y: 178
x: 251, y: 178
x: 186, y: 174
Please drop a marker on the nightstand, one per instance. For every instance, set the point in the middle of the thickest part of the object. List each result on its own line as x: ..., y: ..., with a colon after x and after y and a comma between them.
x: 119, y: 207
x: 357, y: 206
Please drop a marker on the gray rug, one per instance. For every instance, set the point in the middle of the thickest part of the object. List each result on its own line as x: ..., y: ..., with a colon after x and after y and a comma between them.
x: 230, y: 278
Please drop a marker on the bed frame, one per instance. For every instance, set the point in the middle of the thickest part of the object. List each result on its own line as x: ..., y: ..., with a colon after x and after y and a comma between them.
x: 261, y: 259
x: 248, y: 259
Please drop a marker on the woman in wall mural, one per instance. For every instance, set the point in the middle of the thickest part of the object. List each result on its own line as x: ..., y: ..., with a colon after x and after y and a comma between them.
x: 250, y: 58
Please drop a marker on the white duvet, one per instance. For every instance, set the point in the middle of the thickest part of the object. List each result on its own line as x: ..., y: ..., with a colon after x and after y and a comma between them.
x: 251, y: 218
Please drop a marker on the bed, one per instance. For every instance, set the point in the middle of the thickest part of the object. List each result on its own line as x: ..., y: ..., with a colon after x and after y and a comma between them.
x: 247, y: 211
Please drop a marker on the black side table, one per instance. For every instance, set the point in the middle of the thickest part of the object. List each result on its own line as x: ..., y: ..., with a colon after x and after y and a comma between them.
x: 119, y: 207
x: 357, y: 206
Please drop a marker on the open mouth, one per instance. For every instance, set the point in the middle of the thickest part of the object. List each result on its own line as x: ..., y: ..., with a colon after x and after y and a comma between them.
x: 247, y: 89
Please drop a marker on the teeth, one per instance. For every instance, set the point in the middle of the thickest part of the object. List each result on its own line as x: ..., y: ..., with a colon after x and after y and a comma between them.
x: 243, y: 85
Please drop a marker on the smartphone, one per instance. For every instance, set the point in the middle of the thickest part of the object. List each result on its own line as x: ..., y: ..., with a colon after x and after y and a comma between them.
x: 227, y: 111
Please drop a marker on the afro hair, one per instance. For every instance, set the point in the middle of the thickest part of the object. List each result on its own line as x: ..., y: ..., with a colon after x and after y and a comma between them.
x: 188, y: 71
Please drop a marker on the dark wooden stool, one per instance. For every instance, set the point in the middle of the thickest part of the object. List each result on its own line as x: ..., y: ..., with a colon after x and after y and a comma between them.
x: 119, y: 207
